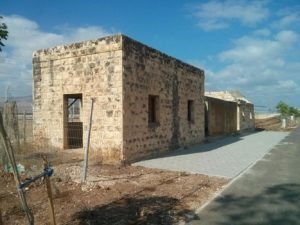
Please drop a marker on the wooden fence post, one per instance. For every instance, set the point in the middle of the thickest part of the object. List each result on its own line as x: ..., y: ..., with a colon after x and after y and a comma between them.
x: 1, y: 223
x: 10, y: 123
x: 50, y: 200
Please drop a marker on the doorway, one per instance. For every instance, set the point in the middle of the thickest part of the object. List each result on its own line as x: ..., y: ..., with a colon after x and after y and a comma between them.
x: 73, y: 127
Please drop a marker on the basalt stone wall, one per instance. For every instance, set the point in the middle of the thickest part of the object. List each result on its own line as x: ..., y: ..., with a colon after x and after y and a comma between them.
x: 148, y: 72
x: 92, y: 69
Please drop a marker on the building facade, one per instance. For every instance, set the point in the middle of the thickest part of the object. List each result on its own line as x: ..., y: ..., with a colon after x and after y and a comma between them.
x: 145, y: 102
x: 228, y: 112
x: 220, y: 116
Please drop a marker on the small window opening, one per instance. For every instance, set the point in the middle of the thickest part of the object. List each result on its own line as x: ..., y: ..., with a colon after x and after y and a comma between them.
x: 190, y: 115
x: 153, y: 109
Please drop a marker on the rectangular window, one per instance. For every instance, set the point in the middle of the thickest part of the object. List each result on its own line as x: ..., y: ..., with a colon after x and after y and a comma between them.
x: 153, y: 109
x: 190, y: 109
x: 74, y: 108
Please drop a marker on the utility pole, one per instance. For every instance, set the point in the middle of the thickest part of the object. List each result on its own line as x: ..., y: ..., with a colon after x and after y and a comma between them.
x: 87, y: 145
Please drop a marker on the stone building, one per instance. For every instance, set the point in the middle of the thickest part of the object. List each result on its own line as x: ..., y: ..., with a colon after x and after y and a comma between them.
x: 227, y: 112
x: 145, y: 102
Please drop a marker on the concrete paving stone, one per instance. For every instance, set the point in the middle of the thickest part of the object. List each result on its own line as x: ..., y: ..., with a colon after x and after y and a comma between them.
x: 226, y: 157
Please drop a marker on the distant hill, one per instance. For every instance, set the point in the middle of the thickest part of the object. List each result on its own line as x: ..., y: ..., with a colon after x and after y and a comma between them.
x: 24, y: 103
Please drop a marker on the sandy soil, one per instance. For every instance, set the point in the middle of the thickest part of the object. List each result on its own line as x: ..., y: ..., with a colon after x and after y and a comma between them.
x: 112, y: 195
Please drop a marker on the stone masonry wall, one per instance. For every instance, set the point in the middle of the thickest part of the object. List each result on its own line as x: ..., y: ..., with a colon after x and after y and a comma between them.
x: 247, y: 120
x: 92, y: 68
x: 120, y: 74
x: 147, y: 71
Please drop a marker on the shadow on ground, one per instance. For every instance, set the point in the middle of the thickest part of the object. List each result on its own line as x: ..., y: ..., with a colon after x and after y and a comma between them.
x: 277, y: 205
x: 211, y: 144
x: 139, y: 210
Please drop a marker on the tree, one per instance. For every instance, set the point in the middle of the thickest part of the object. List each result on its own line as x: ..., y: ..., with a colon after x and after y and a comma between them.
x: 283, y: 108
x: 3, y: 33
x: 294, y: 111
x: 286, y: 110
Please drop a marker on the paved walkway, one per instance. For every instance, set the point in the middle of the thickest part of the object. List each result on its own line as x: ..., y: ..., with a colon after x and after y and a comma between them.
x: 268, y: 193
x: 227, y: 157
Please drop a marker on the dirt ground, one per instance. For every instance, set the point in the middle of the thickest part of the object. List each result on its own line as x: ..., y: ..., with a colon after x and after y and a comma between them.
x: 274, y: 124
x: 112, y: 195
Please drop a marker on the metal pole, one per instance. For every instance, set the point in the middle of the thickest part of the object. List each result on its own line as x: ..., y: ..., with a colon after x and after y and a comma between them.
x: 86, y: 147
x: 24, y: 127
x: 9, y: 151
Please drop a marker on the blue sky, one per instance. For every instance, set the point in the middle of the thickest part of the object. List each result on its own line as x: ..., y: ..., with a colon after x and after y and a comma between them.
x: 251, y: 46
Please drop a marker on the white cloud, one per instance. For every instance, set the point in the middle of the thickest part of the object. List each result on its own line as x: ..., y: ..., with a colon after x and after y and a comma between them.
x: 287, y: 84
x: 287, y: 37
x: 262, y: 32
x: 288, y: 18
x: 212, y: 24
x: 25, y: 36
x: 263, y: 64
x: 250, y: 49
x: 213, y: 15
x: 265, y: 69
x: 253, y: 48
x: 287, y: 21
